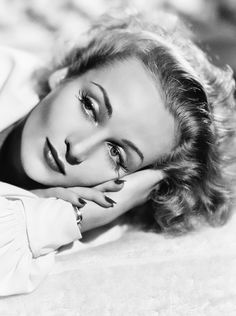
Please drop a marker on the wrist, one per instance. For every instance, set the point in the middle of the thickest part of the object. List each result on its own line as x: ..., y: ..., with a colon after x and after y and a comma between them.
x: 78, y: 216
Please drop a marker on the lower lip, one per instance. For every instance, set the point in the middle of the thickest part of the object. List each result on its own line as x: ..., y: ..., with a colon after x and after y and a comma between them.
x: 50, y: 159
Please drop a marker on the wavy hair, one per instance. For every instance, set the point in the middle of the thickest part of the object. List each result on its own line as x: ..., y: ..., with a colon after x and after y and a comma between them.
x: 200, y: 169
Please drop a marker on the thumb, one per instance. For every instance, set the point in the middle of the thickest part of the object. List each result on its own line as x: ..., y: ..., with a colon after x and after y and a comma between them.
x: 148, y: 178
x: 154, y: 177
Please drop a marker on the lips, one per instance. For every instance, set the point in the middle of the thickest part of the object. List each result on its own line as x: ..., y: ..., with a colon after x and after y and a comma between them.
x: 52, y: 158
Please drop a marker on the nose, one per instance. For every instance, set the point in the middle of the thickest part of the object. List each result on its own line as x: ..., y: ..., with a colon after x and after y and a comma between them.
x: 77, y: 149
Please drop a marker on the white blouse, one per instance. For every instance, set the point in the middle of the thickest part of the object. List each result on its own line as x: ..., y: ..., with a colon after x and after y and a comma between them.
x: 31, y: 228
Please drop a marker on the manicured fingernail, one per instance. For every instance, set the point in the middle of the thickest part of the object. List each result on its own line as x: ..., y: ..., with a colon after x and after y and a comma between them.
x: 109, y: 200
x: 83, y: 202
x: 118, y: 181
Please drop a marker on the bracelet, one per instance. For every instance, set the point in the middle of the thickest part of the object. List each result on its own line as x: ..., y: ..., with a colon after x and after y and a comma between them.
x: 79, y: 216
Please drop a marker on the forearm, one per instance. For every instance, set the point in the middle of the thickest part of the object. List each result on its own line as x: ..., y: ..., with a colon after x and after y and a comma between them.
x: 29, y: 238
x: 98, y: 212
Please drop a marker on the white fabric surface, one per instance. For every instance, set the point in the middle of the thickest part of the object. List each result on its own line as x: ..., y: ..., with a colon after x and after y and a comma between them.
x: 31, y: 229
x: 141, y: 274
x: 16, y: 92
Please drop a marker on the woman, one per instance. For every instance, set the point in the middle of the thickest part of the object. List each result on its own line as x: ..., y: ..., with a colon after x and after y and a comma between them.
x: 135, y: 101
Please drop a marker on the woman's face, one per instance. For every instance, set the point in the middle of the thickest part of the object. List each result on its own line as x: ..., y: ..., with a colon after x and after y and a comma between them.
x: 107, y: 122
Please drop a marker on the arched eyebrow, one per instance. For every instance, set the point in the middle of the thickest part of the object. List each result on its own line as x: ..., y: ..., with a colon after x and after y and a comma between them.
x: 108, y: 106
x: 105, y: 98
x: 134, y: 147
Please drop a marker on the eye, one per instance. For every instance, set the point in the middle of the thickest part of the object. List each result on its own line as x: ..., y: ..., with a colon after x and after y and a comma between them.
x: 116, y: 156
x: 114, y: 151
x: 88, y: 105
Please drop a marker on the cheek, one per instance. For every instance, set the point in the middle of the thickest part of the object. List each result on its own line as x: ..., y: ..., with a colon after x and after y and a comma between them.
x: 56, y: 115
x: 42, y: 117
x: 59, y: 118
x: 94, y: 170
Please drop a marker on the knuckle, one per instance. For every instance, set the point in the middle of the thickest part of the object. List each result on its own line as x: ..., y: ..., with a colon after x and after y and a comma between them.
x: 61, y: 190
x: 98, y: 194
x: 112, y: 185
x: 72, y: 198
x: 91, y: 193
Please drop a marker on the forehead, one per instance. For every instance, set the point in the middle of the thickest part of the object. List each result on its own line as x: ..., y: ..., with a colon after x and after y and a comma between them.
x: 139, y: 112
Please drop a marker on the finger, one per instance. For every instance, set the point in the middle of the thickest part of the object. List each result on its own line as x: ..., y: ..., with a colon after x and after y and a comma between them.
x: 67, y: 195
x: 111, y: 186
x: 92, y: 194
x: 156, y: 177
x: 148, y: 177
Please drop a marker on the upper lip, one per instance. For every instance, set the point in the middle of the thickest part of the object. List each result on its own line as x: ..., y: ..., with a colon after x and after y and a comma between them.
x: 58, y: 160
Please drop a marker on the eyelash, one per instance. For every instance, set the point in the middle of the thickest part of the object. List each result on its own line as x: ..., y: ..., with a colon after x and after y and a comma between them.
x: 85, y: 101
x: 120, y: 163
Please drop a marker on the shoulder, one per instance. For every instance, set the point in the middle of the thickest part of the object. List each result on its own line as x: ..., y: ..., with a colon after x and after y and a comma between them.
x: 17, y: 62
x: 6, y: 66
x: 17, y: 95
x: 11, y: 191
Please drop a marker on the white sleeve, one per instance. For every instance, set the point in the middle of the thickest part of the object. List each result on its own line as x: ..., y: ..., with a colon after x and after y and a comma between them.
x: 31, y: 229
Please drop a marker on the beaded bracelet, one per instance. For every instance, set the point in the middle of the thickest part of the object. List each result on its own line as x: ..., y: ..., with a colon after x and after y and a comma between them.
x: 79, y: 216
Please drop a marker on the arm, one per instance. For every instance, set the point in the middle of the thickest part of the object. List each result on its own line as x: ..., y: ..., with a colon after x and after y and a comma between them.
x: 97, y: 211
x: 31, y: 229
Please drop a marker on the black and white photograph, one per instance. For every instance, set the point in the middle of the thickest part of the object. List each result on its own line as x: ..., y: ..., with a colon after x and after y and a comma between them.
x: 117, y: 158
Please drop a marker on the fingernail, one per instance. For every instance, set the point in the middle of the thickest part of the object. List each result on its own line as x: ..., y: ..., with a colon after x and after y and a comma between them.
x: 118, y: 181
x: 83, y: 202
x: 109, y: 200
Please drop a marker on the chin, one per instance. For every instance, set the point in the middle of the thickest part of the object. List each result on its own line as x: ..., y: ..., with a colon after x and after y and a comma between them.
x: 35, y: 173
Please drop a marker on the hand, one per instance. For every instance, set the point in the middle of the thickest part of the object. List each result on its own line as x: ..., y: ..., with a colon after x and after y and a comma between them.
x: 136, y: 191
x: 76, y: 195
